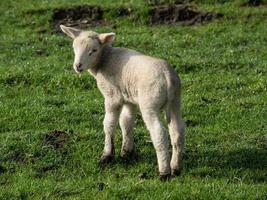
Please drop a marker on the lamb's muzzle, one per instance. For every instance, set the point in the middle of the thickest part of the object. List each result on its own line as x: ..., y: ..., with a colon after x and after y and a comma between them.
x: 78, y: 67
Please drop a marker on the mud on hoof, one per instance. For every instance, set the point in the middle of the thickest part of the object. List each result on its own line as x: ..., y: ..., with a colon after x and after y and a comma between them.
x: 106, y: 159
x: 164, y: 177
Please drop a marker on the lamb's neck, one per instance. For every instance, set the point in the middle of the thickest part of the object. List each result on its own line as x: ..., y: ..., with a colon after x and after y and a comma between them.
x: 105, y: 54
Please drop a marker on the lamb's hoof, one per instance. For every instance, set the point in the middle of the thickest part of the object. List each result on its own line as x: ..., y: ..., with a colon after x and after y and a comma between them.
x: 106, y: 159
x: 164, y: 177
x: 176, y: 172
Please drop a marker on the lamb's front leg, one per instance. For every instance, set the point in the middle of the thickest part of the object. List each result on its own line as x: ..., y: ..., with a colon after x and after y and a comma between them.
x: 110, y: 123
x: 126, y: 123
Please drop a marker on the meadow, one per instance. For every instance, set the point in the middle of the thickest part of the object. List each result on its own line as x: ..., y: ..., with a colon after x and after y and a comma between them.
x: 222, y: 64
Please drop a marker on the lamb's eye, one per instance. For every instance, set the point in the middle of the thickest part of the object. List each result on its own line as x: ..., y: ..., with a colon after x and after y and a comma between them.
x: 92, y: 51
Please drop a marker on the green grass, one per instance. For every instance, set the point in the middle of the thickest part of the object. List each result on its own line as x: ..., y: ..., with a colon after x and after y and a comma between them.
x: 222, y: 65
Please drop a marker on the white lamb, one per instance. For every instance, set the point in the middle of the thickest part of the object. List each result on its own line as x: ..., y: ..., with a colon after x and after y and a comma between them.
x: 127, y: 78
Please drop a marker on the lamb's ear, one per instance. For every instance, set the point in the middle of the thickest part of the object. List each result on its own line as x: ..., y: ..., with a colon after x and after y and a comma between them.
x: 106, y: 37
x: 72, y: 32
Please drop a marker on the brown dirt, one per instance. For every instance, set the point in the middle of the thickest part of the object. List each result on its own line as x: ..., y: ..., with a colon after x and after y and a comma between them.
x: 80, y: 16
x: 56, y: 139
x: 180, y: 13
x: 85, y: 16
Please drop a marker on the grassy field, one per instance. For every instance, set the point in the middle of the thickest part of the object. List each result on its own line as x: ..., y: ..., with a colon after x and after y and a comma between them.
x: 222, y: 65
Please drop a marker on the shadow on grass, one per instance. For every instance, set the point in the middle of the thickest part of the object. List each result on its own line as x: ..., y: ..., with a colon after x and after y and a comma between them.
x: 245, y: 164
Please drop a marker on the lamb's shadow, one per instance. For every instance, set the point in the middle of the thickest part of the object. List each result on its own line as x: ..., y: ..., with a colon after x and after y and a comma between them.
x: 250, y: 165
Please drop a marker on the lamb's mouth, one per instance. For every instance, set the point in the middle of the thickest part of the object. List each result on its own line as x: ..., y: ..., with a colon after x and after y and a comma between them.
x: 79, y: 70
x: 82, y: 69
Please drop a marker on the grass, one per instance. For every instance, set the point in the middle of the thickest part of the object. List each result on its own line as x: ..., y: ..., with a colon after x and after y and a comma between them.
x: 222, y: 65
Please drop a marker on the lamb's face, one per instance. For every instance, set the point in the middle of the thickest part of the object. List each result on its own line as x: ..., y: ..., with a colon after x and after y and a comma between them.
x: 87, y: 51
x: 87, y: 46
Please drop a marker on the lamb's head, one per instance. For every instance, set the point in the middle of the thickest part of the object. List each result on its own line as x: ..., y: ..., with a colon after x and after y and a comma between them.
x: 87, y: 46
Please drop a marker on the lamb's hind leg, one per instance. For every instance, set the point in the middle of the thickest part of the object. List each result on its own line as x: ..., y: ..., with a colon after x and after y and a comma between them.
x: 176, y: 129
x: 110, y: 123
x: 127, y: 123
x: 159, y: 139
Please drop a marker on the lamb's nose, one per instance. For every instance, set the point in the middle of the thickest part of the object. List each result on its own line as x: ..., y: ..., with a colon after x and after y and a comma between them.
x: 78, y: 66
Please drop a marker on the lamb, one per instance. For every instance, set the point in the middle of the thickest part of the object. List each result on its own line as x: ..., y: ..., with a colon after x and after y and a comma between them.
x: 127, y: 78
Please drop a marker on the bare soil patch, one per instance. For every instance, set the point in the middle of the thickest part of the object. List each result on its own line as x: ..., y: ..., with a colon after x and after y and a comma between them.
x: 180, y: 13
x: 81, y: 16
x: 85, y: 16
x: 56, y: 138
